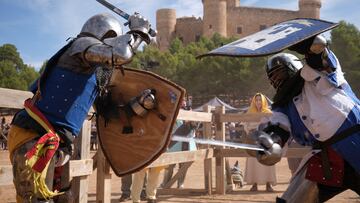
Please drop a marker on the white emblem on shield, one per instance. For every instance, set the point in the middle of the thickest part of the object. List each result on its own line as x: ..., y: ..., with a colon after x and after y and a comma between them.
x: 265, y: 37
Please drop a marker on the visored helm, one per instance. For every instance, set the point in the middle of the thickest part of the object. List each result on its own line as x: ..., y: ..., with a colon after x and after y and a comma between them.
x: 281, y: 67
x: 102, y: 26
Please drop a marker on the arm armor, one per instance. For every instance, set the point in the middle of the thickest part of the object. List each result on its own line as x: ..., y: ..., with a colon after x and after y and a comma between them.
x: 112, y: 52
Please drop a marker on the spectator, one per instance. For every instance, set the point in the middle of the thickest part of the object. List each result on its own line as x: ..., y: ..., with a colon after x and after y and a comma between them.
x: 232, y: 131
x: 93, y: 138
x: 189, y: 103
x: 186, y: 129
x: 151, y: 186
x: 256, y: 173
x: 3, y: 135
x: 126, y: 182
x: 3, y: 121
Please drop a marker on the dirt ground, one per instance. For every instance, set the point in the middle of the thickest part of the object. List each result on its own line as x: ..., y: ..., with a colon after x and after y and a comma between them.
x: 193, y: 184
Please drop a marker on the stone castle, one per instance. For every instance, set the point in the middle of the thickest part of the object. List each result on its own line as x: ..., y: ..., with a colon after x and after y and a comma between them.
x: 227, y: 18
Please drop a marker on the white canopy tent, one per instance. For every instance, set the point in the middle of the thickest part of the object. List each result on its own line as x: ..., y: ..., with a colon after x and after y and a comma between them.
x: 216, y: 102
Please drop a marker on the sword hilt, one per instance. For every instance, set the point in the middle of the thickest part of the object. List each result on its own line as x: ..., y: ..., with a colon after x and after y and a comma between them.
x: 123, y: 14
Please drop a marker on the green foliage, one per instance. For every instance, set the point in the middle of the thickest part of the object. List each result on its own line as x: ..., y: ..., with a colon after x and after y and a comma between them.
x: 228, y: 77
x: 14, y: 73
x: 43, y: 66
x: 345, y: 42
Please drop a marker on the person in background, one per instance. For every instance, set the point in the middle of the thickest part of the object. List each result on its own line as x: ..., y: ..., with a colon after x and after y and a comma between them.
x: 126, y: 182
x: 93, y: 138
x: 256, y: 173
x: 232, y: 131
x: 151, y: 185
x: 181, y: 128
x: 186, y: 129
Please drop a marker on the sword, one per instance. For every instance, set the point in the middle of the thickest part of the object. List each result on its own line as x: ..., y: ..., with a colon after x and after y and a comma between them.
x: 217, y: 143
x: 123, y: 14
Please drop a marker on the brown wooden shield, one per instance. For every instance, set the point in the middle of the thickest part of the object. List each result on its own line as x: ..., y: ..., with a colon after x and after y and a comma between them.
x: 128, y: 153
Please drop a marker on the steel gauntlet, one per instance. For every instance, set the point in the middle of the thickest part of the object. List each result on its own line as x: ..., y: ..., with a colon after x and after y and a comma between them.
x: 272, y: 139
x: 272, y: 153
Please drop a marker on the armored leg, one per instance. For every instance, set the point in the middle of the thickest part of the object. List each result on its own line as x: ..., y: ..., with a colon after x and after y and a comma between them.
x: 23, y: 180
x: 301, y: 190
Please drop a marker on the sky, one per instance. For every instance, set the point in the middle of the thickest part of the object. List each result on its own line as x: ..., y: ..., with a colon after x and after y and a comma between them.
x: 38, y: 28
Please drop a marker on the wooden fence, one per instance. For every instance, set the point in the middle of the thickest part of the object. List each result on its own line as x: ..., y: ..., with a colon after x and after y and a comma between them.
x: 82, y: 166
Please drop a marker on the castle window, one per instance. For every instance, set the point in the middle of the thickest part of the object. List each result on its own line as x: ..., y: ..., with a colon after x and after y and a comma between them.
x: 262, y: 27
x: 210, y: 26
x: 239, y: 30
x: 197, y: 38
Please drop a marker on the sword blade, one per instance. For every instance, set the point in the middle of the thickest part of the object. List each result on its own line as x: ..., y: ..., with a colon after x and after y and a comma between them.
x: 217, y: 143
x: 114, y: 9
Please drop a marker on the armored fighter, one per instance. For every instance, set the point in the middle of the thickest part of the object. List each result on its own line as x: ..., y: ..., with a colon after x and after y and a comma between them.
x: 41, y: 135
x: 315, y: 105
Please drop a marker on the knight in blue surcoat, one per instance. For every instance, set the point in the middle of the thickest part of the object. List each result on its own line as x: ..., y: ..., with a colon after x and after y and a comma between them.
x: 41, y: 135
x: 315, y: 106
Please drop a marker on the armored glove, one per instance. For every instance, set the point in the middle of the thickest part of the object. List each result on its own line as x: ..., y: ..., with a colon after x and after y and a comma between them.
x: 140, y: 26
x: 317, y: 53
x: 272, y: 153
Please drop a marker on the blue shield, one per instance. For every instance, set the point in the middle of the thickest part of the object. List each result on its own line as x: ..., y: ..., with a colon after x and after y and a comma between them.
x: 274, y: 39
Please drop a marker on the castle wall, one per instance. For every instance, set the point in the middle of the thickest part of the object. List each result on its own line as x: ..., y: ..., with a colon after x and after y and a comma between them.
x: 188, y: 29
x: 243, y: 21
x: 227, y: 18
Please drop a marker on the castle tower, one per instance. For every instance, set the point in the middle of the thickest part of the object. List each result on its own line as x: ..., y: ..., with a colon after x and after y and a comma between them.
x: 232, y: 3
x: 215, y: 17
x: 309, y: 8
x: 165, y: 25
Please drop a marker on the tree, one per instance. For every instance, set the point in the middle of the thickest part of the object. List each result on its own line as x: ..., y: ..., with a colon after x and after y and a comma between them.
x: 345, y: 42
x: 14, y: 73
x: 8, y: 52
x: 226, y: 77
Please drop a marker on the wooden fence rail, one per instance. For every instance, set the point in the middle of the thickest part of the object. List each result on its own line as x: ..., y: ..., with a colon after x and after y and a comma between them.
x: 83, y: 166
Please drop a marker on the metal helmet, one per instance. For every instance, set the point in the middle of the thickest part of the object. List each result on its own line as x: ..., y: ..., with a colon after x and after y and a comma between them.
x: 281, y: 67
x: 102, y: 26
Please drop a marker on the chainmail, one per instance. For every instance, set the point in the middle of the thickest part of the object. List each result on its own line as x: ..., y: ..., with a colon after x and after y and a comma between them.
x: 104, y: 105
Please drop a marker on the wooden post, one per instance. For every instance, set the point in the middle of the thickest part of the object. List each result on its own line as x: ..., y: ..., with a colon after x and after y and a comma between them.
x: 81, y: 184
x: 103, y: 179
x: 207, y: 162
x: 220, y: 161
